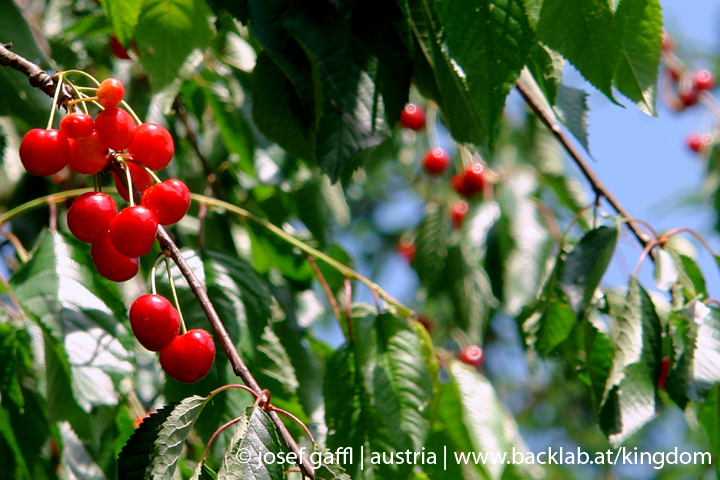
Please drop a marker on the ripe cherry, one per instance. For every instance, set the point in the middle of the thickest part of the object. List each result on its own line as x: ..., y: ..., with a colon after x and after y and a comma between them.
x: 110, y: 263
x: 77, y: 125
x: 117, y: 48
x: 469, y: 182
x: 472, y: 355
x: 44, y: 152
x: 189, y: 357
x: 689, y: 97
x: 458, y: 211
x: 168, y: 200
x: 133, y: 230
x: 413, y: 117
x: 674, y: 74
x: 436, y: 161
x: 116, y: 128
x: 406, y: 249
x: 698, y: 141
x: 140, y: 179
x: 154, y: 321
x: 152, y: 146
x: 664, y: 370
x: 704, y: 79
x: 90, y: 215
x: 88, y: 155
x: 110, y: 93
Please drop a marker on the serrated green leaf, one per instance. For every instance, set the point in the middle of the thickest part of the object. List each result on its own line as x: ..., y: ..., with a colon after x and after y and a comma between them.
x: 572, y: 110
x: 167, y: 32
x: 585, y: 266
x: 80, y: 310
x: 123, y: 15
x: 638, y: 25
x: 697, y: 367
x: 490, y: 60
x: 546, y: 67
x: 583, y: 32
x: 709, y: 418
x: 665, y: 273
x: 330, y: 471
x: 556, y: 324
x: 279, y: 112
x: 693, y: 272
x: 600, y: 354
x: 630, y: 400
x: 153, y: 450
x: 431, y: 243
x: 254, y: 438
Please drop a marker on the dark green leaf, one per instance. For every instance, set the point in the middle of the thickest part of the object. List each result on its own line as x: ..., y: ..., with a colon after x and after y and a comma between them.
x: 254, y: 438
x: 638, y: 25
x: 236, y: 8
x: 167, y: 32
x: 488, y: 61
x: 312, y: 209
x: 431, y: 243
x: 600, y: 353
x: 630, y: 399
x: 153, y: 450
x: 583, y: 32
x: 278, y: 110
x: 123, y: 15
x: 15, y: 467
x: 556, y: 324
x: 709, y: 417
x: 585, y: 266
x: 572, y: 109
x: 697, y: 366
x: 8, y: 357
x: 546, y: 67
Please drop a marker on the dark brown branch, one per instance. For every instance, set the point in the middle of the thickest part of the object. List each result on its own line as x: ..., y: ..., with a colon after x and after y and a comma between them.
x: 41, y: 80
x: 597, y: 185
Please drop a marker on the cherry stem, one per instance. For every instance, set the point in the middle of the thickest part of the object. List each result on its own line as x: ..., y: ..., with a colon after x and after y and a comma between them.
x: 326, y: 288
x: 84, y: 74
x: 348, y: 314
x: 79, y: 94
x: 55, y: 106
x: 153, y: 273
x: 131, y: 112
x: 218, y: 432
x: 97, y: 183
x: 128, y: 176
x: 431, y: 116
x: 150, y: 172
x: 15, y: 241
x: 298, y: 421
x: 82, y: 100
x: 175, y: 295
x: 665, y: 236
x: 646, y: 251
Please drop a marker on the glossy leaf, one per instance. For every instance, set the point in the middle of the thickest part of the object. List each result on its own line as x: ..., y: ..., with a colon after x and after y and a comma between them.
x: 572, y: 110
x: 431, y: 243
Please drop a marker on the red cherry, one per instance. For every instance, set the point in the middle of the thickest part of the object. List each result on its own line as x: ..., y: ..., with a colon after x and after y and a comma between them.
x: 675, y: 75
x: 133, y: 231
x: 88, y: 155
x: 470, y: 182
x: 44, y: 152
x: 689, y: 97
x: 413, y: 117
x: 664, y: 370
x: 110, y: 93
x: 698, y: 141
x: 458, y: 211
x: 116, y: 128
x: 168, y: 200
x: 77, y: 125
x: 406, y: 249
x: 140, y: 179
x: 110, y: 263
x: 154, y: 321
x: 90, y: 215
x: 117, y: 48
x: 189, y: 357
x: 436, y: 161
x: 152, y: 146
x: 472, y: 355
x: 704, y: 79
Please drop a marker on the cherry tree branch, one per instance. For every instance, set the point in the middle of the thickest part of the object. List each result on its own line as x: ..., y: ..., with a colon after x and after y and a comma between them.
x: 42, y: 80
x: 597, y: 185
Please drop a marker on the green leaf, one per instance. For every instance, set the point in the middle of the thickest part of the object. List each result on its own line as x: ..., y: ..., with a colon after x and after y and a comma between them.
x: 630, y: 399
x: 600, y: 354
x: 583, y: 32
x: 585, y: 266
x: 9, y: 346
x: 278, y: 110
x: 490, y: 60
x: 475, y: 418
x: 431, y: 243
x: 335, y: 279
x: 697, y: 366
x: 80, y: 310
x: 153, y: 450
x: 331, y: 471
x: 312, y: 209
x: 572, y: 110
x: 377, y: 392
x: 167, y: 32
x: 123, y: 15
x: 665, y: 273
x: 254, y: 438
x: 546, y: 67
x: 638, y: 25
x: 16, y: 466
x: 709, y: 418
x: 19, y: 98
x: 556, y: 324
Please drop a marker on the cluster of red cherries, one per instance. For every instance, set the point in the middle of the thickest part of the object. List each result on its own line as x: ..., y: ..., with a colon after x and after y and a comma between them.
x: 686, y: 87
x: 118, y: 239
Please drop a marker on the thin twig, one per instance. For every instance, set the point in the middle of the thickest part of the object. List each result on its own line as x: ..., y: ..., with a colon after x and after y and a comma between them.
x: 328, y: 292
x: 597, y: 185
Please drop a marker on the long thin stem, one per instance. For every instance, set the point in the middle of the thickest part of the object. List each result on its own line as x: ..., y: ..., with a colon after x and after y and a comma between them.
x: 171, y: 280
x: 326, y: 288
x: 597, y: 185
